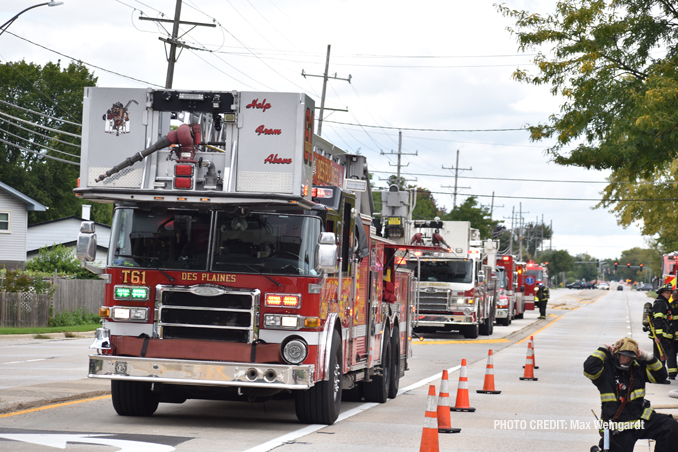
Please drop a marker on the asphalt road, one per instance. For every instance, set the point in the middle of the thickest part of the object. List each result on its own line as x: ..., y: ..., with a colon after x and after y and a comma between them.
x: 553, y: 413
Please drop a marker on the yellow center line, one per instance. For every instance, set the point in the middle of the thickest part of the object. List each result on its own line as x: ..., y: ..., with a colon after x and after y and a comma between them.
x: 540, y: 329
x: 56, y: 405
x: 481, y: 341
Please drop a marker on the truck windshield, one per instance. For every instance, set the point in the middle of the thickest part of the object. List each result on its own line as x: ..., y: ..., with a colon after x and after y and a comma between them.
x: 503, y: 279
x: 538, y: 275
x: 266, y: 243
x: 453, y: 271
x: 175, y: 239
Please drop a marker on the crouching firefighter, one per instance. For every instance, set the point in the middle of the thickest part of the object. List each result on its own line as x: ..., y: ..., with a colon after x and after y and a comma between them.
x: 662, y: 332
x: 620, y: 373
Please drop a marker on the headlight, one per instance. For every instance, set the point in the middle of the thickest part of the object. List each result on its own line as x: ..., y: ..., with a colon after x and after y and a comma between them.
x: 467, y: 311
x: 131, y: 314
x: 282, y: 321
x: 294, y: 351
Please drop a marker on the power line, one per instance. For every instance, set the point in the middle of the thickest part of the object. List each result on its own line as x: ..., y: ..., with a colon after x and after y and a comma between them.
x: 41, y: 114
x: 37, y: 144
x: 38, y: 133
x: 425, y: 130
x: 85, y: 63
x: 38, y: 125
x: 39, y: 153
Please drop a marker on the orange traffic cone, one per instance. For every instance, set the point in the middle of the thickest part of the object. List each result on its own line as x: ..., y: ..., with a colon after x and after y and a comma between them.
x: 529, y: 364
x: 444, y: 422
x: 429, y: 437
x: 534, y: 355
x: 488, y: 387
x: 462, y: 391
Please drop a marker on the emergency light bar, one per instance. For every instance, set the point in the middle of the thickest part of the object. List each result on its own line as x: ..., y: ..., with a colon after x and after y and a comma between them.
x: 277, y: 300
x: 318, y: 192
x: 131, y: 293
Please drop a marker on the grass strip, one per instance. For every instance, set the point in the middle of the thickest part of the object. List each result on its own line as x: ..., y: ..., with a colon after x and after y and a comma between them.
x: 51, y: 329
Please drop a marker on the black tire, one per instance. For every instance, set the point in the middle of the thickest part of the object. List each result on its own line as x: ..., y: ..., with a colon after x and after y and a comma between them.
x: 321, y: 403
x: 133, y: 398
x: 394, y: 384
x: 504, y: 322
x: 487, y: 328
x: 377, y: 389
x: 470, y: 331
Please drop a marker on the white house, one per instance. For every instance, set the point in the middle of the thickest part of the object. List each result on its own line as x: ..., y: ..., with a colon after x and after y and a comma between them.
x: 14, y: 208
x: 64, y: 231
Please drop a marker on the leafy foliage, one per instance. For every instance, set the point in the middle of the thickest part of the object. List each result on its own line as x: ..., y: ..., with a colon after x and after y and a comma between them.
x: 616, y: 65
x: 78, y: 317
x: 61, y: 259
x: 57, y: 92
x: 18, y: 281
x: 478, y: 215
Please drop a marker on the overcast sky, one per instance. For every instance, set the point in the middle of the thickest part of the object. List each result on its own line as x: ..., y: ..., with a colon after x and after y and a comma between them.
x: 443, y: 64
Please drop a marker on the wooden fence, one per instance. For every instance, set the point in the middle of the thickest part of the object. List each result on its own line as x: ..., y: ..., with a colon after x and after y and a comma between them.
x: 24, y: 309
x: 84, y: 294
x: 32, y: 310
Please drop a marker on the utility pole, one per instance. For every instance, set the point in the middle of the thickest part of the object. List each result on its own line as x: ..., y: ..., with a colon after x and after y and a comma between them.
x: 492, y: 206
x: 172, y: 58
x: 513, y: 212
x: 322, y: 99
x: 456, y: 177
x: 551, y: 238
x: 400, y: 154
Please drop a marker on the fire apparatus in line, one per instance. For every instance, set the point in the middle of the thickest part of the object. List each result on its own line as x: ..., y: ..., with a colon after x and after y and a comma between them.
x: 457, y: 290
x: 510, y: 301
x: 669, y: 269
x: 242, y: 263
x: 535, y: 274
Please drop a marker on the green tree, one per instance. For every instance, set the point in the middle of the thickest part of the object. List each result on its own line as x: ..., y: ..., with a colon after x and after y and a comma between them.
x: 478, y: 215
x: 426, y: 207
x: 615, y: 64
x: 586, y: 268
x: 57, y: 92
x: 61, y: 259
x: 558, y: 261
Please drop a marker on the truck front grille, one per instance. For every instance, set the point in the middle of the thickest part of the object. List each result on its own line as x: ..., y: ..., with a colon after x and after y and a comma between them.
x: 207, y: 312
x: 432, y: 302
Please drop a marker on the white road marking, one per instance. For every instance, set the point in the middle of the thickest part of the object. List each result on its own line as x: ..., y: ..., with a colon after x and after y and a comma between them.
x: 289, y: 437
x: 60, y: 441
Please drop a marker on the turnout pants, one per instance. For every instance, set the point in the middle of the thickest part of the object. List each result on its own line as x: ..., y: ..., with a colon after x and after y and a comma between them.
x: 542, y: 307
x: 661, y: 427
x: 669, y: 348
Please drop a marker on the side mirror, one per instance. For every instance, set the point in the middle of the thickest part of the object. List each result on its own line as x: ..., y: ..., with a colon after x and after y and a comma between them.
x: 481, y: 276
x: 326, y: 257
x: 86, y: 248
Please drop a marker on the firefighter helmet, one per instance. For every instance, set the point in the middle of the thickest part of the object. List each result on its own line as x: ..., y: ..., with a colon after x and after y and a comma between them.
x: 627, y: 347
x: 665, y: 288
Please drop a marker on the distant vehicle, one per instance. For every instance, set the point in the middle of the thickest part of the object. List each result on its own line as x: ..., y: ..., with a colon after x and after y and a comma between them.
x: 604, y: 286
x: 576, y: 285
x: 620, y: 287
x: 645, y: 286
x: 589, y: 285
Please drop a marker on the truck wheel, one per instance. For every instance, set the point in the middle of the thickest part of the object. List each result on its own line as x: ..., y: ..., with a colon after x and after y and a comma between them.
x: 377, y: 390
x: 490, y: 324
x: 321, y: 403
x: 470, y: 331
x: 395, y: 364
x: 133, y: 398
x: 504, y: 322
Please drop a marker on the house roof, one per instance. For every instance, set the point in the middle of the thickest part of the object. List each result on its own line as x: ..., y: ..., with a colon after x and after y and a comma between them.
x: 31, y: 204
x: 72, y: 217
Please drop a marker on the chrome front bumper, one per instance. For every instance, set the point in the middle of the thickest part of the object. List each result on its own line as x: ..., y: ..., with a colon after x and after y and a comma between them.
x: 502, y: 313
x: 440, y: 320
x: 201, y: 373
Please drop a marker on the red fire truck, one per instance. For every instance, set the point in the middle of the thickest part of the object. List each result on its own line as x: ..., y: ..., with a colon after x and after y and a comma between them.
x: 243, y: 264
x: 535, y: 274
x: 669, y: 268
x: 510, y: 304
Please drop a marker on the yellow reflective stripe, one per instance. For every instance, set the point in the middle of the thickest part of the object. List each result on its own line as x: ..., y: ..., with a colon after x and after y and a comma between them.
x: 646, y: 414
x: 659, y: 315
x: 608, y: 397
x: 655, y: 366
x: 650, y: 377
x: 594, y: 376
x: 599, y: 354
x: 638, y: 393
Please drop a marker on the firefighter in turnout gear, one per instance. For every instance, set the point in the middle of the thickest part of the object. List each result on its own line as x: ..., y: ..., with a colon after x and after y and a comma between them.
x: 663, y: 329
x: 620, y: 373
x: 541, y: 296
x: 673, y: 306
